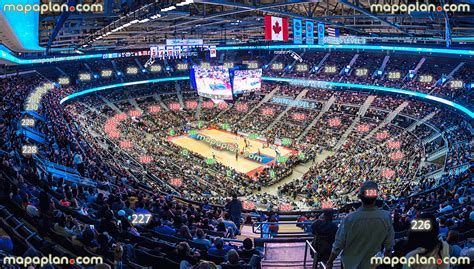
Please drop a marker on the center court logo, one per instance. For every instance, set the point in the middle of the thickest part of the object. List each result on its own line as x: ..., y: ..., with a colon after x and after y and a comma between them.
x: 418, y: 7
x: 53, y: 8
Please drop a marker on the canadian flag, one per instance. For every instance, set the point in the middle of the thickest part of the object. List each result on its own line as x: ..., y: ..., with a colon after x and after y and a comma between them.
x: 276, y: 28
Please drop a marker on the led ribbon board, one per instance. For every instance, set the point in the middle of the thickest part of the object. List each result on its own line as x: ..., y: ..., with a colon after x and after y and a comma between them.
x: 379, y: 88
x: 4, y: 54
x: 289, y: 80
x: 353, y: 47
x: 77, y: 94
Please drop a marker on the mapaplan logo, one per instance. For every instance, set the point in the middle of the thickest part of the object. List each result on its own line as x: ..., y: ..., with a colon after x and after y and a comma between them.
x: 53, y: 8
x: 418, y: 7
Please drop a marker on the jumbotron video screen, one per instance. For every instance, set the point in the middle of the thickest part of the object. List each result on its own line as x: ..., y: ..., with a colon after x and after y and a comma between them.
x: 269, y: 134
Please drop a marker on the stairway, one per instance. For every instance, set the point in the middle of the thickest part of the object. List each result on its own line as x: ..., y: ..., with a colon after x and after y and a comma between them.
x: 420, y: 63
x: 420, y: 122
x: 134, y: 103
x: 366, y: 105
x: 384, y: 63
x: 110, y: 104
x: 288, y: 256
x: 325, y: 108
x: 361, y: 113
x: 344, y: 136
x: 265, y: 99
x: 158, y: 98
x: 290, y: 106
x: 178, y: 93
x: 320, y: 64
x: 451, y: 74
x: 198, y: 109
x: 388, y: 119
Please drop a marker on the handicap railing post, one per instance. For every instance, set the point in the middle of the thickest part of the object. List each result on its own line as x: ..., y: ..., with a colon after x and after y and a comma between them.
x: 305, y: 253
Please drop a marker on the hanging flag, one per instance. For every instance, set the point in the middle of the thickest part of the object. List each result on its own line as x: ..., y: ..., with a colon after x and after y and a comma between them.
x: 212, y: 51
x: 276, y: 28
x: 297, y: 31
x: 321, y: 33
x: 333, y: 32
x: 309, y: 32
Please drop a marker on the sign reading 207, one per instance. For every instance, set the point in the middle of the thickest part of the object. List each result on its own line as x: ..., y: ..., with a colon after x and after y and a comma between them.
x: 140, y: 218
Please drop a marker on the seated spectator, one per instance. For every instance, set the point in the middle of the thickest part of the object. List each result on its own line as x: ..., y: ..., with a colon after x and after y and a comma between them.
x: 453, y: 240
x: 233, y: 260
x: 248, y: 220
x: 128, y: 227
x: 200, y: 238
x: 230, y: 225
x: 66, y: 226
x: 219, y: 249
x: 87, y: 239
x: 247, y: 250
x: 443, y: 229
x: 205, y: 265
x: 273, y: 228
x: 183, y: 255
x: 425, y: 243
x: 6, y: 243
x: 163, y: 229
x: 184, y: 233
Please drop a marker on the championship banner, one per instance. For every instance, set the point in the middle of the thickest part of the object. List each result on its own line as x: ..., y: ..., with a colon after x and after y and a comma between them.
x: 154, y: 51
x: 309, y: 32
x: 177, y: 51
x: 169, y: 51
x: 212, y: 51
x: 321, y: 33
x: 297, y: 31
x: 161, y: 51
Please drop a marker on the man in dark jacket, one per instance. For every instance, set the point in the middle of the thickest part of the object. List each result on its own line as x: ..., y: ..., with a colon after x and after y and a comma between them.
x: 234, y: 207
x: 324, y: 232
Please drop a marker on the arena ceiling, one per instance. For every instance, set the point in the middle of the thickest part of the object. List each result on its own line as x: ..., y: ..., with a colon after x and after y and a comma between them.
x: 234, y: 22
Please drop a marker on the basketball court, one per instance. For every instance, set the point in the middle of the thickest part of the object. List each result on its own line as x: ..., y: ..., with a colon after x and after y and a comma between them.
x: 266, y: 155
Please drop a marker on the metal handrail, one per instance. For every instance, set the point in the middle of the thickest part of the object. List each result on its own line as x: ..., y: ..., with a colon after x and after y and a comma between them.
x: 315, y: 255
x: 261, y: 232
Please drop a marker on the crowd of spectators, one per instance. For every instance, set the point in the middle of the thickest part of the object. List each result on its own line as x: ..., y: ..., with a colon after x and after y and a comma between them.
x: 92, y: 214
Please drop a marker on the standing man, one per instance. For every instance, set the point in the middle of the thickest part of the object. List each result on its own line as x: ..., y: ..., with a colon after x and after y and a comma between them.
x: 324, y: 232
x: 234, y: 207
x: 79, y: 163
x: 363, y: 232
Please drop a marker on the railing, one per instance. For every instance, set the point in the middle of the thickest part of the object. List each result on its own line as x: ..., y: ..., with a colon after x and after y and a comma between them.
x: 307, y: 245
x: 259, y: 228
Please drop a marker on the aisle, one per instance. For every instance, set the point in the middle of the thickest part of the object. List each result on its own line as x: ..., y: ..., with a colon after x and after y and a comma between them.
x: 298, y: 171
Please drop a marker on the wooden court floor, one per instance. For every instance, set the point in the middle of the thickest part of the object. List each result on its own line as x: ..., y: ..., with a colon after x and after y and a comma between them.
x: 227, y: 158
